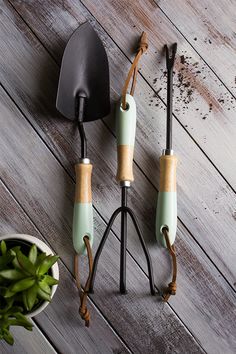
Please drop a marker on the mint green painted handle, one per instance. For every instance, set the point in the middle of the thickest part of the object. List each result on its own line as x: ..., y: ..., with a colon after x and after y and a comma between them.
x: 83, y: 209
x: 166, y: 216
x: 125, y: 133
x: 126, y: 123
x: 82, y: 225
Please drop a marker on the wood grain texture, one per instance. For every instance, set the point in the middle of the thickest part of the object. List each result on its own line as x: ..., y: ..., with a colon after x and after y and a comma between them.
x: 168, y: 165
x: 210, y: 28
x: 60, y: 320
x: 203, y: 106
x: 83, y: 190
x: 59, y: 137
x: 204, y: 210
x: 55, y: 209
x: 27, y: 342
x: 125, y: 155
x: 146, y: 314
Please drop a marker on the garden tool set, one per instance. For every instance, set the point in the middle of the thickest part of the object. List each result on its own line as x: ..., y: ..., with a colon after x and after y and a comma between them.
x: 83, y: 96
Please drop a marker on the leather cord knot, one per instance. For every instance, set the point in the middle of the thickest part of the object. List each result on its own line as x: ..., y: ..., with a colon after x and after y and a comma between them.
x: 85, y: 315
x: 172, y: 286
x: 142, y: 48
x: 83, y: 310
x: 143, y: 45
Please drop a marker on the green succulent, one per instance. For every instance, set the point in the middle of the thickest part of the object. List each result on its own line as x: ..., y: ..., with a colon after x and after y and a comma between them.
x: 12, y: 316
x: 24, y: 282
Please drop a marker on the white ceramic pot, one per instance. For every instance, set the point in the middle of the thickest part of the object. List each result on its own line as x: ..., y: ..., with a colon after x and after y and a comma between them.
x: 44, y: 248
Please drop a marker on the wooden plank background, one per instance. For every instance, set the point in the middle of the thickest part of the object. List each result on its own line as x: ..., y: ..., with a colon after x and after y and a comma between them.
x: 39, y: 149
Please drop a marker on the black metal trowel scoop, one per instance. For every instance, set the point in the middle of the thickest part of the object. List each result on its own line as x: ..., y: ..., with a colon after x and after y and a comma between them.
x: 83, y: 95
x: 84, y: 74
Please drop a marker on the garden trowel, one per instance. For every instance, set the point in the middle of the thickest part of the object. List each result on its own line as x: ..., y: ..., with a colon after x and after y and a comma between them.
x: 83, y: 95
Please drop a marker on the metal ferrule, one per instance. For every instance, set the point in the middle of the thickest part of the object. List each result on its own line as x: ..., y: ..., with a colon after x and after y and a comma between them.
x: 167, y: 152
x: 125, y: 183
x: 85, y: 161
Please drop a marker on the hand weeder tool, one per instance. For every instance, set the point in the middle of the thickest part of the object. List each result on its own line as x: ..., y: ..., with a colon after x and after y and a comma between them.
x: 126, y: 126
x: 83, y: 96
x: 166, y: 218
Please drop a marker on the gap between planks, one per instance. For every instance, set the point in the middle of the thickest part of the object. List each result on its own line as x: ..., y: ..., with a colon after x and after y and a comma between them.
x: 92, y: 302
x: 39, y: 343
x: 194, y: 48
x: 181, y: 322
x: 110, y: 130
x: 156, y: 92
x: 112, y: 232
x: 39, y: 138
x: 144, y: 78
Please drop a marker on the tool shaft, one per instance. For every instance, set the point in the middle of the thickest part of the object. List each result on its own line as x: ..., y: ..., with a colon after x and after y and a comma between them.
x: 169, y: 109
x: 80, y: 115
x: 123, y: 243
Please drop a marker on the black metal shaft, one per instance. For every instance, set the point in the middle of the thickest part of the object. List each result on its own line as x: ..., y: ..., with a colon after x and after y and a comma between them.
x: 169, y: 109
x: 80, y: 115
x: 170, y: 59
x: 123, y: 241
x: 147, y: 255
x: 100, y: 247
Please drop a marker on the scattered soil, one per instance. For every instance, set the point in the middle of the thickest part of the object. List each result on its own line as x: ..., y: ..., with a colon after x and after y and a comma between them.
x: 189, y: 78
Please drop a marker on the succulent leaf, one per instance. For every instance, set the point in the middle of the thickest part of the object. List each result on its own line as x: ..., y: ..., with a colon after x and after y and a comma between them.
x: 33, y: 254
x: 45, y: 287
x: 29, y: 297
x: 3, y: 247
x: 8, y: 337
x: 50, y: 280
x: 46, y: 264
x: 22, y: 284
x: 9, y: 293
x: 40, y: 258
x: 12, y: 274
x: 43, y: 295
x: 27, y: 322
x: 25, y: 263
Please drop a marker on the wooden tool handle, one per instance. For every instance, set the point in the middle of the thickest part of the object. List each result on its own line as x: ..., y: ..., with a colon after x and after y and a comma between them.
x: 83, y: 191
x: 168, y: 165
x: 167, y: 199
x: 125, y: 155
x: 83, y: 208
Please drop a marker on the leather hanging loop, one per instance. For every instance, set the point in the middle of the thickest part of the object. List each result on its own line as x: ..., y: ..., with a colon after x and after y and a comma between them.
x: 142, y: 48
x: 83, y: 310
x: 172, y: 286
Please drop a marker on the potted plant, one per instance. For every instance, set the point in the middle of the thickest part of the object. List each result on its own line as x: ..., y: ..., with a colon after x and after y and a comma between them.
x: 29, y: 276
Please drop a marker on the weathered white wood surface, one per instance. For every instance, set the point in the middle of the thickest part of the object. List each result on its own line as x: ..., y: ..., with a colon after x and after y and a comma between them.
x: 31, y: 78
x: 27, y: 342
x: 208, y: 212
x: 210, y: 28
x: 202, y: 104
x: 32, y: 191
x: 61, y: 320
x: 29, y: 187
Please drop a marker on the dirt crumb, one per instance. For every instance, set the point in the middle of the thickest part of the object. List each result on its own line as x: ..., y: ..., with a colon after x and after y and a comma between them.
x: 182, y: 60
